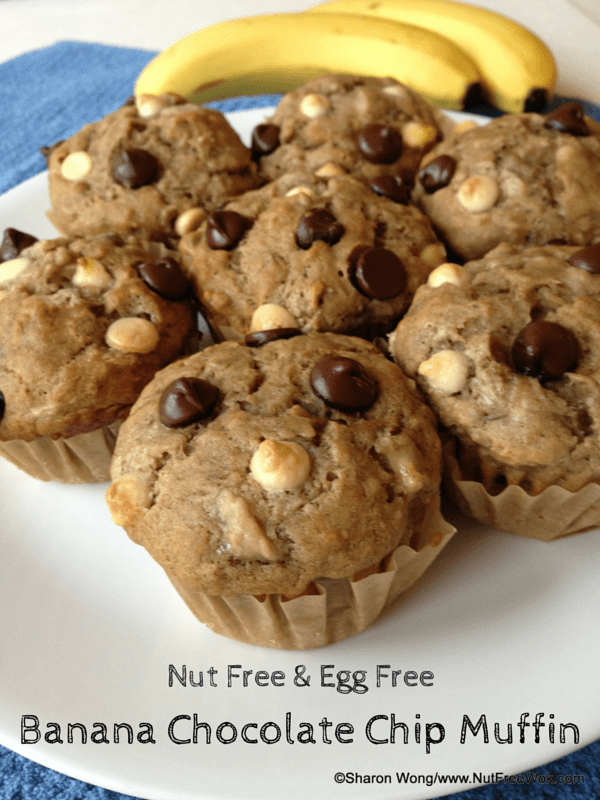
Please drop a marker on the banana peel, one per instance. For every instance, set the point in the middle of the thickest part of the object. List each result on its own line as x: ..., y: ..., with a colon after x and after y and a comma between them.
x: 279, y: 52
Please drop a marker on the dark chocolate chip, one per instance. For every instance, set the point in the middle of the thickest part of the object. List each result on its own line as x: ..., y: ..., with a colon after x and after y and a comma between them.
x: 587, y: 258
x: 258, y: 338
x: 536, y: 101
x: 2, y: 405
x: 164, y: 277
x: 437, y: 174
x: 265, y: 139
x: 318, y: 223
x: 568, y: 118
x: 47, y: 150
x: 13, y: 242
x: 343, y: 383
x: 377, y: 272
x: 392, y: 187
x: 134, y: 168
x: 186, y: 400
x: 545, y: 350
x: 225, y: 229
x: 380, y: 144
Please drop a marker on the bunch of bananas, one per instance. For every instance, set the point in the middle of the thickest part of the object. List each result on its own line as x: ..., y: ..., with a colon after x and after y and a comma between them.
x: 446, y: 51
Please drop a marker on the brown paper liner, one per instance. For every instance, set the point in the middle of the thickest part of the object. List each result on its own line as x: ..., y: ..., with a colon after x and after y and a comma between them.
x: 84, y: 458
x: 335, y: 608
x: 550, y: 515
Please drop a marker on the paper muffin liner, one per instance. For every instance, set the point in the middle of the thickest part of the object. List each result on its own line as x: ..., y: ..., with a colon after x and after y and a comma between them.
x: 331, y: 609
x: 83, y: 458
x: 553, y: 514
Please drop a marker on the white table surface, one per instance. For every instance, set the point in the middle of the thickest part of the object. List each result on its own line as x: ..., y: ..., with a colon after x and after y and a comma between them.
x: 573, y: 37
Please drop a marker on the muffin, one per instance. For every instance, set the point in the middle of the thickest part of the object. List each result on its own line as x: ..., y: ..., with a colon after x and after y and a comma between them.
x: 155, y: 165
x: 337, y: 124
x: 526, y: 179
x: 290, y: 491
x: 314, y: 253
x: 507, y: 351
x: 84, y: 325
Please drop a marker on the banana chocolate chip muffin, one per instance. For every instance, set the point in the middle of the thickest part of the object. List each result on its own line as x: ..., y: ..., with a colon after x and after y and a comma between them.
x: 337, y: 124
x: 314, y: 253
x: 84, y: 325
x: 290, y: 490
x: 526, y: 179
x: 157, y: 165
x: 507, y: 352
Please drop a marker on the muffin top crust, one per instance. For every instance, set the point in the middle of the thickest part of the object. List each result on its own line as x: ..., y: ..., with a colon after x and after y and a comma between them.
x: 239, y: 478
x: 83, y: 330
x: 525, y: 179
x: 507, y: 351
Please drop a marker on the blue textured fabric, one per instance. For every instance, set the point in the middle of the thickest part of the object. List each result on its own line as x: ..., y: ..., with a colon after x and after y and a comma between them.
x: 47, y: 95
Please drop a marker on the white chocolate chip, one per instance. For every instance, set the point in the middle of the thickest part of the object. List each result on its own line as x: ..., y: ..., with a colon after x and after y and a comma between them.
x: 446, y: 371
x: 464, y: 126
x: 278, y: 466
x: 271, y: 315
x: 148, y: 105
x: 330, y: 170
x: 76, y: 166
x: 417, y: 134
x: 243, y: 531
x: 189, y: 221
x: 127, y: 497
x: 395, y: 90
x: 91, y: 274
x: 478, y: 193
x: 11, y: 268
x: 512, y: 185
x: 448, y: 273
x: 132, y: 335
x: 315, y: 105
x: 433, y: 254
x: 303, y: 190
x: 565, y: 153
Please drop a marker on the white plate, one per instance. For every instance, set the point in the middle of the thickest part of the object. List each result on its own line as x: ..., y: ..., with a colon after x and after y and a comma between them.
x: 89, y: 626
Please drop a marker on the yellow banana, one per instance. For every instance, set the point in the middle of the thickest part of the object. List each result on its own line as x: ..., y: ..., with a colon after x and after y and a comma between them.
x: 517, y: 68
x: 278, y: 52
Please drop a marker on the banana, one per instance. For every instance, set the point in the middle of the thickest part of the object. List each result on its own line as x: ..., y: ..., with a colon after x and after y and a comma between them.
x: 278, y: 52
x: 519, y: 71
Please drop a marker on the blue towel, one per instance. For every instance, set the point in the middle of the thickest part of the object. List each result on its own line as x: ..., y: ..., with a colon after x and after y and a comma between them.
x: 45, y: 96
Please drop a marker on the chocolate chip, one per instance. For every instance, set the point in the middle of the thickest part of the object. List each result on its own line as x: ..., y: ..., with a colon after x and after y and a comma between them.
x: 258, y: 338
x: 47, y: 150
x: 392, y: 187
x: 545, y: 350
x: 186, y: 400
x: 134, y: 168
x: 568, y: 118
x: 343, y: 383
x: 265, y: 139
x: 225, y: 229
x: 437, y: 174
x: 318, y: 223
x: 164, y: 277
x: 587, y: 258
x: 380, y: 144
x: 13, y: 242
x: 2, y: 405
x: 377, y: 272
